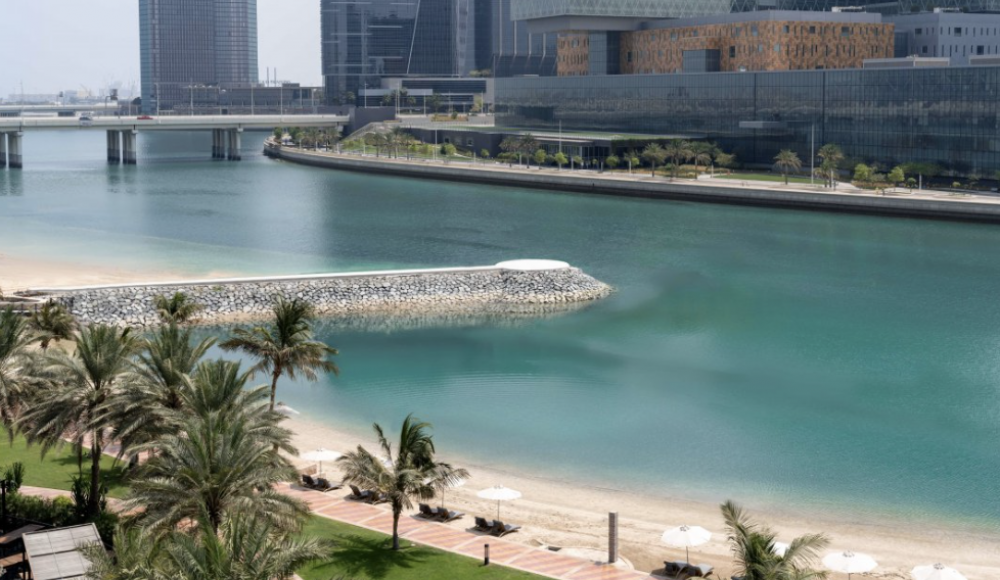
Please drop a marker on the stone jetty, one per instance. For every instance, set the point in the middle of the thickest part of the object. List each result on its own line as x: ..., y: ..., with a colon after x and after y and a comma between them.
x: 517, y: 284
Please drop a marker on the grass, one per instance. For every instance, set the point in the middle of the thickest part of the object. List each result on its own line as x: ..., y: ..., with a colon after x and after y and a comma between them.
x: 56, y: 471
x: 765, y: 177
x: 359, y: 554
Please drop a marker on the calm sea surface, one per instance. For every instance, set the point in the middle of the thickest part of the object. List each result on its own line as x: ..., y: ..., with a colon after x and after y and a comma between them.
x: 782, y: 358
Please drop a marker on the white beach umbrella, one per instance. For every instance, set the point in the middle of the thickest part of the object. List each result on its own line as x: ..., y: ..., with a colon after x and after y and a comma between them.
x: 936, y: 572
x: 454, y: 482
x: 849, y: 562
x: 780, y: 548
x: 499, y: 493
x: 686, y: 537
x: 285, y: 409
x: 320, y: 455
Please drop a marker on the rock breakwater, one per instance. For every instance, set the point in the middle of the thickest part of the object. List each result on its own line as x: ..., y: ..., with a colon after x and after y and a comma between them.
x: 507, y: 285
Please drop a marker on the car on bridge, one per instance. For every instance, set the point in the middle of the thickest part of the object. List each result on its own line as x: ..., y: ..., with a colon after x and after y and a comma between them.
x: 86, y: 120
x: 144, y: 118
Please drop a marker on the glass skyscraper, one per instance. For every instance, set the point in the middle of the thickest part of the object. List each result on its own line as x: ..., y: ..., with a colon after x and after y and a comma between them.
x: 195, y: 43
x: 366, y: 41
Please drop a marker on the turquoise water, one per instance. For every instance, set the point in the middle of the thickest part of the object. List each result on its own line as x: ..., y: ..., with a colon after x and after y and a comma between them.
x: 782, y: 358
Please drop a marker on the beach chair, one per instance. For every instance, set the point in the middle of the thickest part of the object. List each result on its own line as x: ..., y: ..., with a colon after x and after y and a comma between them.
x: 445, y: 515
x: 696, y: 571
x: 483, y: 524
x: 323, y: 484
x: 501, y: 529
x: 308, y: 481
x: 673, y: 569
x: 374, y: 497
x: 428, y: 512
x: 357, y: 494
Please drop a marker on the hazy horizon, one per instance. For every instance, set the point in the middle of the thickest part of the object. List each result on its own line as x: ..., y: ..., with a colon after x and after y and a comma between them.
x: 69, y: 44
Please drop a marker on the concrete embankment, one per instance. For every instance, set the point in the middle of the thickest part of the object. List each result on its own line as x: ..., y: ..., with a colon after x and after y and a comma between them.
x: 525, y: 285
x: 956, y: 208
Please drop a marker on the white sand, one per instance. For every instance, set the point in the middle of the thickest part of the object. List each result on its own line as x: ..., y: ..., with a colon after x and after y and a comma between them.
x: 561, y: 514
x: 20, y: 273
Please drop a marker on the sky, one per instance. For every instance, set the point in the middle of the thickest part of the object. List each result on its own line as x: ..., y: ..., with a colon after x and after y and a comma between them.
x: 56, y: 45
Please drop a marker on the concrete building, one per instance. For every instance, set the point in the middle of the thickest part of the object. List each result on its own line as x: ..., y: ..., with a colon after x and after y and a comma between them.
x: 505, y: 48
x: 948, y: 34
x: 748, y: 41
x: 195, y: 43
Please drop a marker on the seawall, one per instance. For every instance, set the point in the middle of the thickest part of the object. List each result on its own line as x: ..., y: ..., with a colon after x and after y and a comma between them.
x: 958, y: 208
x: 526, y: 286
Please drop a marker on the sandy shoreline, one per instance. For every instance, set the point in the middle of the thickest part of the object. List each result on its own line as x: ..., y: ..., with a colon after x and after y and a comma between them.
x: 22, y: 272
x: 562, y: 514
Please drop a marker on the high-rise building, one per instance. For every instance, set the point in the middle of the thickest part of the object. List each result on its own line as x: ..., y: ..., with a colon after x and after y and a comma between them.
x: 506, y: 48
x: 189, y: 44
x: 364, y: 42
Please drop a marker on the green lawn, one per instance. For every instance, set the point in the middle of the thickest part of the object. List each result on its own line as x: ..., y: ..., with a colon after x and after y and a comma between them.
x: 360, y: 554
x: 59, y: 466
x: 764, y: 177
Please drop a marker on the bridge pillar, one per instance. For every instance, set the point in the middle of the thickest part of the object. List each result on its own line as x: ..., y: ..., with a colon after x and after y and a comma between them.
x: 216, y: 144
x: 114, y: 148
x: 128, y: 147
x: 14, y: 150
x: 3, y: 150
x: 234, y: 144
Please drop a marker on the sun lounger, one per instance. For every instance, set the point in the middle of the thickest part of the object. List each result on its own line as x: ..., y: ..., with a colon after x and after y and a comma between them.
x: 673, y: 569
x: 374, y: 497
x: 427, y: 511
x: 323, y: 484
x: 445, y: 515
x: 483, y: 524
x: 501, y: 529
x: 696, y: 571
x: 359, y: 495
x: 308, y: 481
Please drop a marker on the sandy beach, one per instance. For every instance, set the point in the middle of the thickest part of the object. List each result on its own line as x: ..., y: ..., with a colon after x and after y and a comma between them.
x: 557, y: 513
x: 19, y: 273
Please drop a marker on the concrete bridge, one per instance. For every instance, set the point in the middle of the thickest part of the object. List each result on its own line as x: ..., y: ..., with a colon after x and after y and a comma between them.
x: 121, y: 131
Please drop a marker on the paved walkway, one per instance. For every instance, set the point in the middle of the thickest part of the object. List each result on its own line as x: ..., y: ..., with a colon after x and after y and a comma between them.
x: 467, y: 543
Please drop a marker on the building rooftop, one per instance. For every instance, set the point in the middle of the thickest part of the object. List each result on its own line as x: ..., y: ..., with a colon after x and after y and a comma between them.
x: 55, y: 554
x: 767, y: 16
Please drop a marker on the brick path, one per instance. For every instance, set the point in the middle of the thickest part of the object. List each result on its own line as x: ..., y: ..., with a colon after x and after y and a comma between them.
x: 535, y: 560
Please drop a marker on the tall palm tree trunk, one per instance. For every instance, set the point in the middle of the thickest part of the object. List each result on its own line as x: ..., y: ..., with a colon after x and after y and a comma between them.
x: 396, y: 511
x: 94, y: 501
x: 274, y: 383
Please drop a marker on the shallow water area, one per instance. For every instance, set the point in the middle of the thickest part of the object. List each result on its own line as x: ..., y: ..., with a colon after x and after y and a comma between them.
x: 792, y: 360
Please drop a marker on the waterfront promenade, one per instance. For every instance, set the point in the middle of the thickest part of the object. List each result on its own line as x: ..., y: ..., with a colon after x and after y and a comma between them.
x: 898, y: 202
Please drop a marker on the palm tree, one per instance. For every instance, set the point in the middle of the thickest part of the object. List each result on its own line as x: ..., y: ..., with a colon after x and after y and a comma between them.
x: 831, y: 155
x: 153, y: 406
x: 247, y: 548
x: 786, y: 160
x: 410, y: 473
x: 511, y: 146
x: 222, y: 461
x: 527, y: 145
x: 178, y: 308
x: 753, y: 548
x: 703, y: 157
x: 678, y: 152
x: 52, y: 322
x: 137, y: 556
x: 654, y: 155
x: 79, y: 400
x: 15, y: 362
x: 287, y: 346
